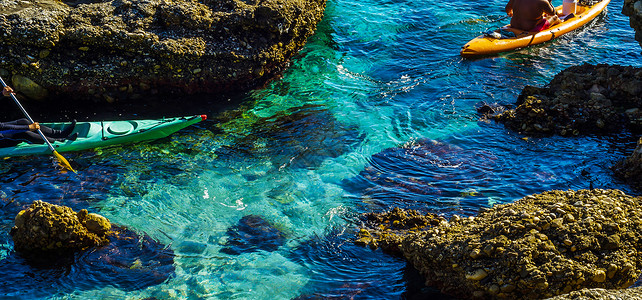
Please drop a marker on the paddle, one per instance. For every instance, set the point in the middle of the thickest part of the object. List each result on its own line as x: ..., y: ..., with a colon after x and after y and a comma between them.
x: 61, y: 160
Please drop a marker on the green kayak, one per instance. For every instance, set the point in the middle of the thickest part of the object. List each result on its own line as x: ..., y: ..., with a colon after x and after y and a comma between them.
x: 106, y: 133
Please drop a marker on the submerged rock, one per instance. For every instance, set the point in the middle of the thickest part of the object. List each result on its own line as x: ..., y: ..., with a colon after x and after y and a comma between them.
x: 579, y: 100
x: 426, y: 172
x: 252, y: 233
x: 630, y: 169
x: 302, y: 137
x: 110, y: 50
x: 45, y: 227
x: 540, y: 246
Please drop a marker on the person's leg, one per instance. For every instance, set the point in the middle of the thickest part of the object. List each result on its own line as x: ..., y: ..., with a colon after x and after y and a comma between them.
x: 33, y: 137
x: 60, y: 133
x: 54, y: 133
x: 22, y: 121
x: 46, y: 130
x: 554, y: 20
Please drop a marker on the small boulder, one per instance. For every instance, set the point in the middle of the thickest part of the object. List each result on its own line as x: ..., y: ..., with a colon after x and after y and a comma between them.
x: 45, y: 227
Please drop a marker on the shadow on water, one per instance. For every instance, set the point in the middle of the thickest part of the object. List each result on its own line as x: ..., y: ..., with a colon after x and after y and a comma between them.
x: 128, y: 262
x: 158, y: 106
x: 426, y: 175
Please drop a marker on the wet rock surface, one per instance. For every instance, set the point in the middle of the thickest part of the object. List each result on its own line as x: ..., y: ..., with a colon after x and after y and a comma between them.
x: 633, y: 9
x: 387, y: 230
x: 630, y: 169
x: 111, y: 50
x: 45, y: 227
x: 602, y: 294
x: 580, y: 100
x: 540, y: 246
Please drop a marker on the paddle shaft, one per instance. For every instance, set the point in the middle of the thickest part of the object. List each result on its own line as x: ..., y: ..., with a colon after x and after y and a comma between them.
x: 44, y: 138
x: 502, y: 18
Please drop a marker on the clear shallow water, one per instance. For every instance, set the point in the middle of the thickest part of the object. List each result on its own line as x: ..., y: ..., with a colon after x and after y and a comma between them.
x: 377, y: 111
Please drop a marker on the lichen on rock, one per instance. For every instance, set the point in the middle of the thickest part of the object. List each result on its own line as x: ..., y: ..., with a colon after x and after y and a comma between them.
x: 540, y: 246
x: 45, y: 227
x: 580, y: 100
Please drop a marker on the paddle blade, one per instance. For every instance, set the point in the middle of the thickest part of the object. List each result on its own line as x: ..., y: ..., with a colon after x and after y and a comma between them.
x: 63, y: 162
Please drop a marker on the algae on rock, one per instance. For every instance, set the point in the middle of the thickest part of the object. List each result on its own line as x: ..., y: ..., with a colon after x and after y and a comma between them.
x: 540, y: 246
x: 45, y: 227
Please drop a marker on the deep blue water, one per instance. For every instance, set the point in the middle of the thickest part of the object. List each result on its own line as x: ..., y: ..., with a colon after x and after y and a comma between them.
x: 261, y: 201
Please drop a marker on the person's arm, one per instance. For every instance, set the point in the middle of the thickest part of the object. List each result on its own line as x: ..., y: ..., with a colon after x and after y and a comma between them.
x: 509, y: 8
x: 548, y: 8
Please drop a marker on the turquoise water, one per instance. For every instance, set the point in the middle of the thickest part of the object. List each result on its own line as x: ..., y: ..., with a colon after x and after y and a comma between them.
x: 377, y: 111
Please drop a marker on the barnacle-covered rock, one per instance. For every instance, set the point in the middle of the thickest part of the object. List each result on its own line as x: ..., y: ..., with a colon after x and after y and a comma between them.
x: 110, y: 50
x: 45, y: 227
x: 602, y: 294
x: 388, y: 229
x: 540, y: 246
x: 579, y: 100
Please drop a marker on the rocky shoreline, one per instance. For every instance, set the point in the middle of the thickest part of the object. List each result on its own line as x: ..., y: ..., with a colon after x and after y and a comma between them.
x: 134, y: 50
x: 538, y: 247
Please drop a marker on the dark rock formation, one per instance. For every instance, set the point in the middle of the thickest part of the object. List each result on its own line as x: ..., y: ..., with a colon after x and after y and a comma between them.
x: 633, y: 9
x: 110, y: 50
x: 540, y: 246
x: 630, y: 169
x: 45, y: 227
x: 581, y: 99
x: 251, y: 234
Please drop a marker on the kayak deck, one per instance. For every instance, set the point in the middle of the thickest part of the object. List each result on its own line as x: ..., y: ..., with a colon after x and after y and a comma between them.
x: 104, y: 134
x: 485, y: 45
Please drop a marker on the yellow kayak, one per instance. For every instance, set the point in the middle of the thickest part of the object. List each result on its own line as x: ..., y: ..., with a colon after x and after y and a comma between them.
x: 485, y: 45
